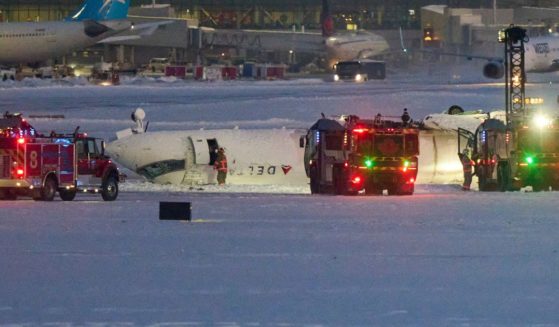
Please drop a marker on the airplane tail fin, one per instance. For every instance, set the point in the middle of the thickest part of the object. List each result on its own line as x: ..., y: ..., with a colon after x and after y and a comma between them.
x: 115, y: 9
x: 89, y: 10
x: 99, y: 10
x: 326, y: 20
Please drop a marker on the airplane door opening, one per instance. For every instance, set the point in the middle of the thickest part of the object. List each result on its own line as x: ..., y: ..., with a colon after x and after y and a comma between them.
x: 212, y: 147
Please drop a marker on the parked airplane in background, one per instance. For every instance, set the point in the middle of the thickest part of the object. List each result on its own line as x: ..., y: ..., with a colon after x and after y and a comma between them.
x: 349, y: 45
x: 334, y: 46
x: 541, y: 54
x: 35, y: 42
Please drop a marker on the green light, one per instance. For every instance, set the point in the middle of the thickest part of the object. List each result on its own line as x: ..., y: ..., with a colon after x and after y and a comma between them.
x: 406, y: 163
x: 369, y: 163
x: 529, y: 160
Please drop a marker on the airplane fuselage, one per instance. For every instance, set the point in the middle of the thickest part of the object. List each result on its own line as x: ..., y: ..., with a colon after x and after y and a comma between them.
x: 255, y: 157
x: 185, y: 157
x: 37, y: 42
x: 542, y: 54
x: 352, y: 46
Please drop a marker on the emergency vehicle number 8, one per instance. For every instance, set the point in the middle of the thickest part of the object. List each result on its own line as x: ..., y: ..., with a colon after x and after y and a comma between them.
x: 33, y: 162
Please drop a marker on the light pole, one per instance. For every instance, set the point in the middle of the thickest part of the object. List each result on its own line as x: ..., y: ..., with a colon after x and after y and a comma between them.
x: 494, y: 12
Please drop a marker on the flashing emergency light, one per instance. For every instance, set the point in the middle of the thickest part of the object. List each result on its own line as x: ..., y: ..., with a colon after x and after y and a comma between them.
x: 21, y: 141
x: 360, y: 130
x: 356, y: 179
x: 542, y: 121
x: 19, y: 172
x: 406, y: 165
x: 368, y: 163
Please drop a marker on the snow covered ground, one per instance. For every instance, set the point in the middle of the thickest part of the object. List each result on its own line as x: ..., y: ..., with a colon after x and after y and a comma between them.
x: 271, y: 256
x: 438, y: 258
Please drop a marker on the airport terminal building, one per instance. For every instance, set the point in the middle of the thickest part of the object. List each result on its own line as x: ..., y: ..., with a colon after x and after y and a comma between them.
x: 367, y: 14
x: 453, y: 25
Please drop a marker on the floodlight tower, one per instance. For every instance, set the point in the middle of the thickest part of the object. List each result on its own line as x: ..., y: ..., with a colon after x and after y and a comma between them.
x: 515, y: 75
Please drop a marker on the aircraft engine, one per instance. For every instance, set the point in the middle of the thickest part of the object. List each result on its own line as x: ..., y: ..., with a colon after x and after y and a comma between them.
x: 494, y: 70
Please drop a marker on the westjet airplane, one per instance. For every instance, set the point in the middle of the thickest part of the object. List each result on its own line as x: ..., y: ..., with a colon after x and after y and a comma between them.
x: 541, y: 55
x: 35, y: 42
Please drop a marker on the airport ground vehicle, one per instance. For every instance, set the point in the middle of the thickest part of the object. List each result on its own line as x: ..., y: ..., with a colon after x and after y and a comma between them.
x: 523, y: 150
x: 7, y: 74
x: 39, y: 166
x: 359, y: 70
x: 348, y: 154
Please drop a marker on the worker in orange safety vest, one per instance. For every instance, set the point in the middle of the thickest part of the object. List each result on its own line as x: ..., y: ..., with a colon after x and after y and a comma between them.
x: 221, y: 166
x: 468, y: 167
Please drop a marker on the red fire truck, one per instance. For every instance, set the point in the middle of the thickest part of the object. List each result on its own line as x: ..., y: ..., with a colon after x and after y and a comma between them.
x: 348, y: 154
x: 35, y: 165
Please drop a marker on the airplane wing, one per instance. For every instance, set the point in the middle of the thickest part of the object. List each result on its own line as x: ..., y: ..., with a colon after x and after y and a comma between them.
x: 146, y: 29
x: 136, y: 32
x: 122, y: 38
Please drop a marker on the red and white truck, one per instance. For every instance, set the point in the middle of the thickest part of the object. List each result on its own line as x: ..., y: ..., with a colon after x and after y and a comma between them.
x: 38, y: 166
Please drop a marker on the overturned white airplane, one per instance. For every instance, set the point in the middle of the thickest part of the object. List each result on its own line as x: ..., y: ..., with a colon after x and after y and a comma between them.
x: 271, y: 156
x: 187, y: 157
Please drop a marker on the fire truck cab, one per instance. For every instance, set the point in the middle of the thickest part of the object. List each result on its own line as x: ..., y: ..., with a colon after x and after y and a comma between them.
x: 35, y: 165
x: 347, y: 155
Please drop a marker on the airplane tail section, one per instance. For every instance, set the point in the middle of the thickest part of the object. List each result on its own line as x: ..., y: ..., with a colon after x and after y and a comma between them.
x: 115, y: 9
x: 99, y: 10
x: 89, y: 10
x: 326, y: 20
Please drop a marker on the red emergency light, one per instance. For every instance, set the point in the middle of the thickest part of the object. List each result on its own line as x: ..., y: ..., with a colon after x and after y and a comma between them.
x: 21, y: 141
x: 360, y: 130
x: 19, y: 172
x: 356, y: 179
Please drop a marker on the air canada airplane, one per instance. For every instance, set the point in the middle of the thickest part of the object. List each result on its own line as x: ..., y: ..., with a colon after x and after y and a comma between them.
x: 35, y: 42
x: 255, y: 157
x: 335, y: 46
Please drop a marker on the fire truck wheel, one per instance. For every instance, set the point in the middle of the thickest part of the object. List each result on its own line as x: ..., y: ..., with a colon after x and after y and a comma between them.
x: 538, y: 185
x: 110, y: 189
x: 406, y: 189
x: 503, y: 177
x: 67, y: 195
x: 7, y: 195
x: 48, y: 191
x: 315, y: 187
x: 372, y: 190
